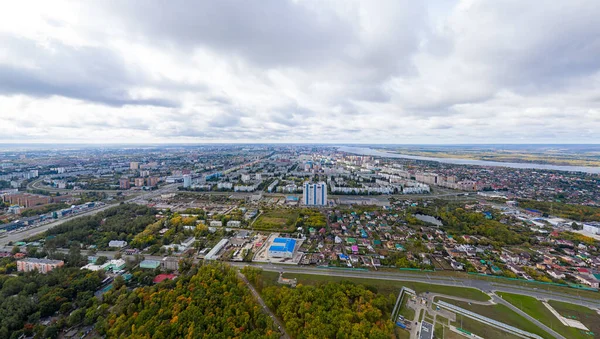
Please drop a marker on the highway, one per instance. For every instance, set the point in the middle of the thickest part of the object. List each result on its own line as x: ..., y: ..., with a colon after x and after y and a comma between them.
x: 20, y: 235
x: 36, y: 185
x: 483, y: 285
x: 487, y: 286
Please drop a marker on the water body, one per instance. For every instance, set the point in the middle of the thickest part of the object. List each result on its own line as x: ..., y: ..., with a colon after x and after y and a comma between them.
x: 429, y: 219
x: 456, y: 161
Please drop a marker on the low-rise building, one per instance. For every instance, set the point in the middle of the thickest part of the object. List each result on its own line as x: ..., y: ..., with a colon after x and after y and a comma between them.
x: 117, y: 243
x: 234, y: 223
x: 150, y: 264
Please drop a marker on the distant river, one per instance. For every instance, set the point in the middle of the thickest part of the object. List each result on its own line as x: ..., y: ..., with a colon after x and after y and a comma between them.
x: 456, y: 161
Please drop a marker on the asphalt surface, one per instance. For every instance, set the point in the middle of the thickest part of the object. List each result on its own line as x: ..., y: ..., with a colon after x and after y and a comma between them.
x: 426, y: 331
x: 483, y: 285
x: 528, y: 317
x: 18, y: 236
x: 486, y: 286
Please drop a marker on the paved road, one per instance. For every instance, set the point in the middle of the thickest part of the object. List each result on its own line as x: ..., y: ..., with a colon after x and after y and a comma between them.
x: 264, y: 306
x: 37, y: 185
x: 527, y: 316
x: 17, y: 236
x: 484, y: 285
x: 431, y: 296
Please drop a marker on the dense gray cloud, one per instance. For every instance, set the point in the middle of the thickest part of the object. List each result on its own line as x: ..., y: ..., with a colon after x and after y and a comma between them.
x: 86, y: 73
x: 301, y: 71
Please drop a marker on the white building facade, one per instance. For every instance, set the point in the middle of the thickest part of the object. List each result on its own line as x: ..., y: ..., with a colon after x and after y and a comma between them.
x: 315, y: 194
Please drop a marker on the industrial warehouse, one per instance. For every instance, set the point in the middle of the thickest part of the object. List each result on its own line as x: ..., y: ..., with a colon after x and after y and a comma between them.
x: 282, y: 248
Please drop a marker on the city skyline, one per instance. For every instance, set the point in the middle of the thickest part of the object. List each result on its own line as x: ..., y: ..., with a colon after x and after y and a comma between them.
x: 459, y: 72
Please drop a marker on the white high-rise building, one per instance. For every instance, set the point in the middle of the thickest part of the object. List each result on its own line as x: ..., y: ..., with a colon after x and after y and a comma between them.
x: 187, y: 180
x: 315, y: 194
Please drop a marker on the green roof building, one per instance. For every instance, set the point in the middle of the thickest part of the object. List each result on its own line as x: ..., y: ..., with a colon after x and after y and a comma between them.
x: 150, y: 264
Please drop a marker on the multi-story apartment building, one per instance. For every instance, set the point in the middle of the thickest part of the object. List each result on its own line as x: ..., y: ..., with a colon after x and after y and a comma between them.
x: 41, y: 265
x: 315, y: 194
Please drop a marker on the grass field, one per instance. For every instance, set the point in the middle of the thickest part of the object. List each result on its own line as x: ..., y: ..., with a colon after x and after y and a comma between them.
x: 499, y: 280
x: 501, y: 313
x: 389, y: 286
x: 537, y: 310
x: 442, y: 320
x: 407, y: 313
x: 402, y: 334
x: 481, y: 329
x: 451, y: 335
x: 277, y: 220
x: 588, y: 317
x: 438, y: 330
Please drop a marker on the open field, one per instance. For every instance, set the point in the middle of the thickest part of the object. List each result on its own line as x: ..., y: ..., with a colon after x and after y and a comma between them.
x: 407, y: 313
x: 402, y: 334
x: 281, y: 220
x: 438, y: 330
x: 504, y: 281
x: 553, y: 156
x: 481, y: 329
x: 590, y: 318
x: 500, y: 313
x: 451, y: 335
x: 537, y: 310
x: 384, y: 286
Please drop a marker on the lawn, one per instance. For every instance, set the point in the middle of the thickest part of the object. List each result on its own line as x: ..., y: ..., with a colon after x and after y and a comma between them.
x: 587, y: 316
x: 481, y: 329
x: 393, y: 287
x: 407, y: 313
x: 451, y: 335
x: 500, y: 313
x: 441, y: 320
x: 402, y: 334
x: 438, y: 330
x: 500, y: 280
x: 536, y: 309
x: 283, y: 220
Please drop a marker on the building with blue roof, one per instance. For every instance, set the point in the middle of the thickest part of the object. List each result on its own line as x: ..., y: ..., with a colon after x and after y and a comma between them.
x: 282, y: 248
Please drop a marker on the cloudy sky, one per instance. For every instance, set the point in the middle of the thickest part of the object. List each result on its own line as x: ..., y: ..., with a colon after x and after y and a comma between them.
x: 300, y: 71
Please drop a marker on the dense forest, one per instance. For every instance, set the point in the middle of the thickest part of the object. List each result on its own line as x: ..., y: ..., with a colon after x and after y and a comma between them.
x: 331, y: 310
x: 122, y: 222
x: 209, y: 302
x: 27, y: 298
x: 562, y: 210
